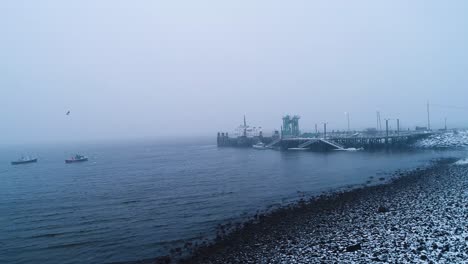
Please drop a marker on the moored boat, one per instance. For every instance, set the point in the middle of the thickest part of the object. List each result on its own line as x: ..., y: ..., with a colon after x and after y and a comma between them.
x: 76, y: 158
x: 298, y: 149
x: 259, y: 145
x: 24, y: 160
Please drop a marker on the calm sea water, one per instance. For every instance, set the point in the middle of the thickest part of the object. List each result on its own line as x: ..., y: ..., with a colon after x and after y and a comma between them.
x: 136, y: 200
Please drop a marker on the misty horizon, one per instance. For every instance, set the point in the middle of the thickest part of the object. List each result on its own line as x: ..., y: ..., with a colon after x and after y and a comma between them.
x: 185, y: 69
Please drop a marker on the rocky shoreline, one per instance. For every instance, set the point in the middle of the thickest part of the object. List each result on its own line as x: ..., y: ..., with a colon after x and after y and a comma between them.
x: 418, y: 217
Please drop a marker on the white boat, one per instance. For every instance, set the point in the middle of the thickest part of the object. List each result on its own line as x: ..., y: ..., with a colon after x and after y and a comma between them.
x: 350, y: 149
x: 260, y: 145
x: 298, y: 149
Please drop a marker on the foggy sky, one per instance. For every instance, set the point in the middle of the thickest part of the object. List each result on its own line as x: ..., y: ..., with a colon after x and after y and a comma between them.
x: 133, y: 69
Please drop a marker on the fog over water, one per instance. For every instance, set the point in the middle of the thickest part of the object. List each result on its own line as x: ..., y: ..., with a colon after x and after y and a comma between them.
x: 136, y: 69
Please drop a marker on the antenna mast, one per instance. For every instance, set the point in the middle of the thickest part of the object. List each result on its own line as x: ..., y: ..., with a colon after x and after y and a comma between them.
x: 428, y: 117
x: 379, y: 122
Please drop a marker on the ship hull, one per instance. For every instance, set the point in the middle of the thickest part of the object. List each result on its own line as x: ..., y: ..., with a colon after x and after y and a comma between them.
x: 19, y: 162
x: 76, y: 160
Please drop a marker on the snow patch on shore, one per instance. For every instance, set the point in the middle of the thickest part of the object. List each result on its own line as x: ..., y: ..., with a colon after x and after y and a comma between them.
x: 462, y: 162
x: 451, y: 139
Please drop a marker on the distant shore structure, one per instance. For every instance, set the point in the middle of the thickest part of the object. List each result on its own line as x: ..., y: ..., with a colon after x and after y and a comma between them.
x: 244, y: 136
x: 291, y: 138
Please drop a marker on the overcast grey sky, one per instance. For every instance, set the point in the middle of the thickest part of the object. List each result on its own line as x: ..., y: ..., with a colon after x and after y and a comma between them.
x: 154, y: 68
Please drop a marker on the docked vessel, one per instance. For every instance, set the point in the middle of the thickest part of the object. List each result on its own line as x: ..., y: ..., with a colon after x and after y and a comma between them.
x: 248, y: 131
x: 24, y: 160
x: 76, y: 158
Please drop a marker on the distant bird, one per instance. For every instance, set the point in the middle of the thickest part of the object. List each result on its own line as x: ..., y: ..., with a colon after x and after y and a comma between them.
x: 68, y: 113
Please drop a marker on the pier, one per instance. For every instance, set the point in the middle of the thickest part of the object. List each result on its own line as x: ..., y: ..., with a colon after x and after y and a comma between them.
x: 324, y: 144
x: 291, y: 138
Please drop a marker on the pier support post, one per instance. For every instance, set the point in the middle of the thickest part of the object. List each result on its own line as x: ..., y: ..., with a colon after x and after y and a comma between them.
x: 325, y: 130
x: 398, y: 126
x: 386, y: 131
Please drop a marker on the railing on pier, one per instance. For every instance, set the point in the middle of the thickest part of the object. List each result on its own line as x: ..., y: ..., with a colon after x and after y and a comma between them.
x: 308, y: 143
x: 273, y: 143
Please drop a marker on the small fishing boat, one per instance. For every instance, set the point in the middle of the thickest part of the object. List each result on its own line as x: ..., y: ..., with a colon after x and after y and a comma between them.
x: 260, y: 145
x: 76, y: 158
x: 24, y: 160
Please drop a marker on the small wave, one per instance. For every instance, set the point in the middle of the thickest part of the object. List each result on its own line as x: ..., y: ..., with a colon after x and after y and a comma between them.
x: 71, y: 245
x: 48, y: 235
x: 132, y: 201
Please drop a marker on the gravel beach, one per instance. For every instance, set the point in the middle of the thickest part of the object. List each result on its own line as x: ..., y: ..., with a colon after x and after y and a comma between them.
x: 419, y: 217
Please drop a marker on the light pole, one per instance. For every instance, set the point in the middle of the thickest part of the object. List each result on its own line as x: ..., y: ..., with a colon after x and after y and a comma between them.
x: 379, y: 123
x: 325, y: 129
x: 398, y: 125
x: 347, y: 116
x: 428, y: 117
x: 386, y: 130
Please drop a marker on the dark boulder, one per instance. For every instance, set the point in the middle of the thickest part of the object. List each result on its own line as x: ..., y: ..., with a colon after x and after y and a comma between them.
x: 383, y: 209
x: 353, y: 248
x: 446, y: 248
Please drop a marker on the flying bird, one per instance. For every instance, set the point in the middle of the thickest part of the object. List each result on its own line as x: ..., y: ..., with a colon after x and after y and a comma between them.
x: 68, y: 113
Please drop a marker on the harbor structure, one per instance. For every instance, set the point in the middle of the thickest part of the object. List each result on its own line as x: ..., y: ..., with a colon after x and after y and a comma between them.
x: 290, y: 126
x: 245, y: 130
x: 244, y: 136
x: 291, y: 138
